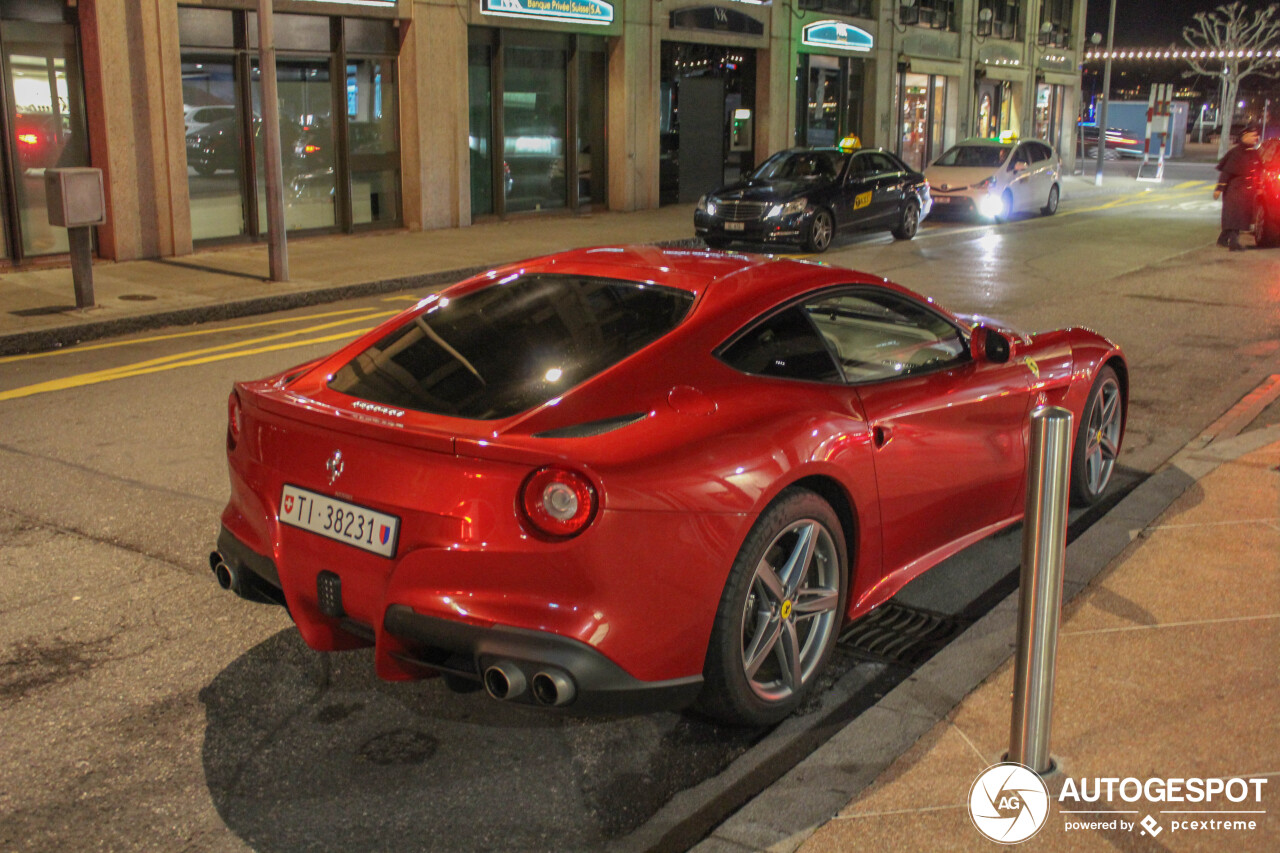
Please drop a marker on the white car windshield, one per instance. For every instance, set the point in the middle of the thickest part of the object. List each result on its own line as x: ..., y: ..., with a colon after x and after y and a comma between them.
x: 973, y: 156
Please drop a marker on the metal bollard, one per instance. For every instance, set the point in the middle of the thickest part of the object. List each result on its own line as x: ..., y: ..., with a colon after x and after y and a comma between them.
x: 1044, y: 551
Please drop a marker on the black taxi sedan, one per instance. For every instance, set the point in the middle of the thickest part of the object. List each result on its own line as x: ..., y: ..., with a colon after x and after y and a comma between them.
x: 805, y: 196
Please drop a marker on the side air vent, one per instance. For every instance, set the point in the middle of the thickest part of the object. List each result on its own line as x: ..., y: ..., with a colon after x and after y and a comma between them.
x: 591, y: 428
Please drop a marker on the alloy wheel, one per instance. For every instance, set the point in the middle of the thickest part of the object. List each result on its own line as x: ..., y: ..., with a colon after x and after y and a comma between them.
x: 790, y: 610
x: 1102, y: 442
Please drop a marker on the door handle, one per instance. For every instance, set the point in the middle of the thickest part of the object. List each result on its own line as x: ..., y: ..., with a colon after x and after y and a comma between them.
x: 881, y: 435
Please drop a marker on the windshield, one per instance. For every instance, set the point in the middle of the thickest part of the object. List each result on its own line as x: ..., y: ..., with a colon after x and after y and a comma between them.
x: 503, y: 349
x: 978, y: 156
x: 798, y: 165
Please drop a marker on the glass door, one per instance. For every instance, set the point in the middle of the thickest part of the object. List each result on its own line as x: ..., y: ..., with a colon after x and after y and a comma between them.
x: 46, y: 127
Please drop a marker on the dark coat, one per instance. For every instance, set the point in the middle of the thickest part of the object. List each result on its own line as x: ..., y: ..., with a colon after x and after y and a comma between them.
x: 1238, y: 180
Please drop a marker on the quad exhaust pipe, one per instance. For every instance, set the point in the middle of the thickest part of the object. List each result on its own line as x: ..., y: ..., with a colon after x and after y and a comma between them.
x: 504, y: 680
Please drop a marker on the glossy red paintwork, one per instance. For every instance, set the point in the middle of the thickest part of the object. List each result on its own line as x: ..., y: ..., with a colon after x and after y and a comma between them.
x: 926, y: 465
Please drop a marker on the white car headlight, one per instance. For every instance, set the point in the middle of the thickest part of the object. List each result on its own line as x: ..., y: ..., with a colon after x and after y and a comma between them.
x: 707, y: 205
x: 991, y: 206
x: 797, y: 206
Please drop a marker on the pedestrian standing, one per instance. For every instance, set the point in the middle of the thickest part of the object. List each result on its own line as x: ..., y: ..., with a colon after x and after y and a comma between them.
x: 1237, y: 186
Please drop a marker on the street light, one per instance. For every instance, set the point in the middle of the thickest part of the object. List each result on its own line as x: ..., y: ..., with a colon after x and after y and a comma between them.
x: 1106, y: 95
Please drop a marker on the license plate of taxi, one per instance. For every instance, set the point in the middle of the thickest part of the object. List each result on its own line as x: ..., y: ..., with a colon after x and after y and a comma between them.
x: 355, y: 525
x: 941, y: 199
x: 735, y: 226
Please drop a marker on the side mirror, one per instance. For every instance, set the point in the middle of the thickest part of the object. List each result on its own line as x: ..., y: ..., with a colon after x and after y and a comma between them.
x: 986, y: 344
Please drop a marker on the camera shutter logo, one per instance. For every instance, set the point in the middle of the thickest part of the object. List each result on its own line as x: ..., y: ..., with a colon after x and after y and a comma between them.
x: 1008, y: 803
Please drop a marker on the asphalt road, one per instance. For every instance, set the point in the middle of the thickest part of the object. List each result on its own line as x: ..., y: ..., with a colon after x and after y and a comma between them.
x: 143, y: 708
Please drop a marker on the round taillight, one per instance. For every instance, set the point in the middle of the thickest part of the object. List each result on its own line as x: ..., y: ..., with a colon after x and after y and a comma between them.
x: 558, y: 502
x: 235, y: 419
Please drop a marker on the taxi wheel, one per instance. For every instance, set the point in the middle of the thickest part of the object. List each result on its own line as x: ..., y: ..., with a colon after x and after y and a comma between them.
x: 780, y: 614
x: 1051, y: 206
x: 910, y: 223
x: 821, y: 230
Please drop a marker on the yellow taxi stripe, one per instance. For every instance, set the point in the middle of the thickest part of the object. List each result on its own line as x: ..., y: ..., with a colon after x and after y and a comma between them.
x: 177, y: 335
x: 140, y: 370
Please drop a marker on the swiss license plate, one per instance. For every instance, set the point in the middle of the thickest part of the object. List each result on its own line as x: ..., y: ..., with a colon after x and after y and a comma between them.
x: 735, y: 226
x: 344, y: 522
x: 941, y: 199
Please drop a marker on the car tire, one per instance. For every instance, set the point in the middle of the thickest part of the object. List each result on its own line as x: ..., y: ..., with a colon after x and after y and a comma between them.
x: 1266, y: 226
x: 910, y: 223
x: 822, y: 228
x: 780, y: 614
x: 1006, y: 207
x: 1098, y: 439
x: 716, y: 242
x: 1051, y: 206
x: 204, y: 168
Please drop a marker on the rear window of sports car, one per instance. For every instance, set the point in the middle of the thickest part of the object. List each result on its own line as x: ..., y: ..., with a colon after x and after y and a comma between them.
x: 516, y: 344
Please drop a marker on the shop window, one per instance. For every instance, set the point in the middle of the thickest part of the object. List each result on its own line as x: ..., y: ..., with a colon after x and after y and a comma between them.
x: 537, y: 113
x: 923, y: 99
x: 828, y: 99
x: 339, y: 117
x: 46, y: 123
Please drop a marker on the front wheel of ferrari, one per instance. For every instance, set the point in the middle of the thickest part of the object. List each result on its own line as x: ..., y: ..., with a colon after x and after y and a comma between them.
x: 1098, y: 439
x: 780, y: 613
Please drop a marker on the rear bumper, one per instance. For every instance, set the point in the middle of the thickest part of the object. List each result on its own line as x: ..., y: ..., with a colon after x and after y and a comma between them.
x: 413, y: 645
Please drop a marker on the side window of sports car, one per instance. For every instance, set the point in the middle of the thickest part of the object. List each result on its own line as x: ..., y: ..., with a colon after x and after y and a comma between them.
x: 785, y: 345
x: 879, y: 335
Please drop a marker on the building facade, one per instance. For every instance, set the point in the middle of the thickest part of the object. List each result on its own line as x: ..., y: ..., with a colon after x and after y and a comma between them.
x: 424, y: 114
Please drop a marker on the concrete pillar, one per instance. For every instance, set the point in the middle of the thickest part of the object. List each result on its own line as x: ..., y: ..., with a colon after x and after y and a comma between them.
x: 133, y: 94
x: 775, y: 88
x: 434, y: 117
x: 634, y: 69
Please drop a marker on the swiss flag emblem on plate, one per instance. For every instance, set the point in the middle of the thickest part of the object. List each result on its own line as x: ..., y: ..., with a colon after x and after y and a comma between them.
x: 288, y: 504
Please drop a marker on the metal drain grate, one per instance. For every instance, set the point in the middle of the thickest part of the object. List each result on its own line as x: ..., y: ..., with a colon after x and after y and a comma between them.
x: 897, y: 634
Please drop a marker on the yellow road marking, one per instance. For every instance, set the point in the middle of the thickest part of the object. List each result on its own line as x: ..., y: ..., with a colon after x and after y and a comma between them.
x: 1186, y: 184
x: 194, y: 357
x: 401, y: 298
x: 176, y: 335
x: 134, y: 370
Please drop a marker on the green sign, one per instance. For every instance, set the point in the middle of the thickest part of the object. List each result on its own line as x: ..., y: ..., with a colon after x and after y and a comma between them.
x: 570, y: 11
x: 839, y: 35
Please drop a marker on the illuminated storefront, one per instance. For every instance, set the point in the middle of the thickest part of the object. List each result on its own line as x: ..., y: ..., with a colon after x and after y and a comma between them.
x: 831, y: 83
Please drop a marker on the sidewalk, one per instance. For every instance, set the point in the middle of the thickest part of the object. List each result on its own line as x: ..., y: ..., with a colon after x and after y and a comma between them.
x: 1167, y: 669
x: 37, y: 306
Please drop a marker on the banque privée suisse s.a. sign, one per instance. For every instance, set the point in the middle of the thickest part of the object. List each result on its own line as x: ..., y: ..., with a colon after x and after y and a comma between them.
x: 571, y: 11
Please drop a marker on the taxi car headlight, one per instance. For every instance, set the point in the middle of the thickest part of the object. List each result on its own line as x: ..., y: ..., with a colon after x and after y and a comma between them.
x: 707, y: 205
x: 791, y: 207
x: 991, y: 205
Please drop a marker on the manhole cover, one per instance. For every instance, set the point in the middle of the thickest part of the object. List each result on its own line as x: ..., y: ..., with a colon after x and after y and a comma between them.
x: 897, y: 634
x: 136, y: 297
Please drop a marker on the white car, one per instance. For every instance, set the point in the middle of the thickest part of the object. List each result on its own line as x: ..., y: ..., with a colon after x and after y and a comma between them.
x: 996, y: 180
x: 199, y: 117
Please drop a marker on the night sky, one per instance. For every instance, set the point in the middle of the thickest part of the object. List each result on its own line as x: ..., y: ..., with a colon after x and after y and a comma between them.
x: 1152, y: 23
